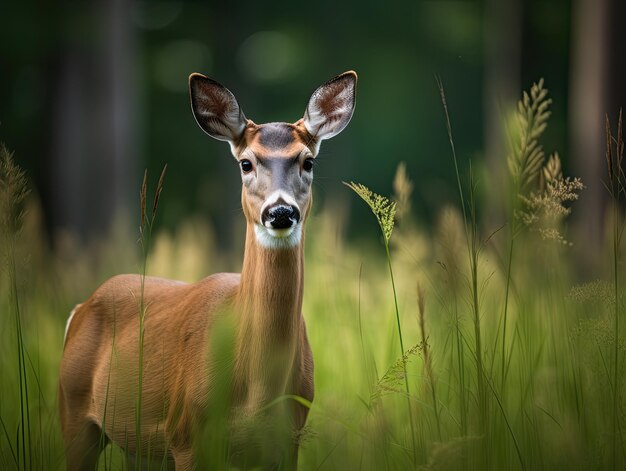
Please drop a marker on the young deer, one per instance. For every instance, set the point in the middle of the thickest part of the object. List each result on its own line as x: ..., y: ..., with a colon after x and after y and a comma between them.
x: 271, y: 357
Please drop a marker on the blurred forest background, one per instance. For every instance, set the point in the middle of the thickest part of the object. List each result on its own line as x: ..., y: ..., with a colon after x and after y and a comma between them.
x: 93, y: 92
x: 521, y: 366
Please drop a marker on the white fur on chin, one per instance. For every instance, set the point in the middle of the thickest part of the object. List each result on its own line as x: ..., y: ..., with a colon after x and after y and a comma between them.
x: 278, y: 238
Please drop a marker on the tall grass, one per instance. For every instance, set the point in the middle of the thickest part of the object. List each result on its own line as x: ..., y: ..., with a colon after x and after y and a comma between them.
x: 617, y: 189
x: 384, y: 210
x: 473, y: 251
x: 510, y: 365
x: 13, y: 191
x: 525, y: 161
x: 27, y: 404
x: 428, y: 364
x: 145, y: 235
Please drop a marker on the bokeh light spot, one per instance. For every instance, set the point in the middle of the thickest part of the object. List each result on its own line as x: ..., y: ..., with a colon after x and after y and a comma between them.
x: 176, y: 60
x: 268, y: 56
x: 155, y: 15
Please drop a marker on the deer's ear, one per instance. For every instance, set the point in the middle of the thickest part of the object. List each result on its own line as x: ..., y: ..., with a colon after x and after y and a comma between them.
x: 215, y: 108
x: 331, y: 106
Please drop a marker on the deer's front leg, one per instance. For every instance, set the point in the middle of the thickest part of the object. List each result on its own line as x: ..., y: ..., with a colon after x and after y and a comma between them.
x: 183, y: 459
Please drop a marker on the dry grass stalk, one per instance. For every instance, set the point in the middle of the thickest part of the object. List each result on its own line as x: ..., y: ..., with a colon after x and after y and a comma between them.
x: 403, y: 189
x: 142, y: 200
x: 615, y: 157
x: 617, y: 187
x: 157, y: 193
x: 421, y: 305
x: 428, y: 362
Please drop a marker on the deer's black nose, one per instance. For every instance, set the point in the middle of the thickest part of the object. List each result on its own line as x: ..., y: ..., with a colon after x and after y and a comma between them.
x: 281, y: 216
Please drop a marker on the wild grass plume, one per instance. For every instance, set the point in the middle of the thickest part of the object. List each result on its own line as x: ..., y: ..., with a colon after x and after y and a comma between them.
x: 539, y: 192
x: 527, y: 157
x: 383, y: 209
x: 543, y: 210
x: 394, y: 379
x: 13, y: 193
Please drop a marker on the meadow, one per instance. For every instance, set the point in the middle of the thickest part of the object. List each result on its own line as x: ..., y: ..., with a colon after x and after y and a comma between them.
x: 468, y: 345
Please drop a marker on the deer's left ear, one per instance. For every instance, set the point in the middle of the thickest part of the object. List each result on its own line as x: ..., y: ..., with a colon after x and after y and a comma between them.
x: 216, y: 109
x: 331, y: 106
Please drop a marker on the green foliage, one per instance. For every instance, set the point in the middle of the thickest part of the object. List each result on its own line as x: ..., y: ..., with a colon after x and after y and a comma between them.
x: 560, y: 406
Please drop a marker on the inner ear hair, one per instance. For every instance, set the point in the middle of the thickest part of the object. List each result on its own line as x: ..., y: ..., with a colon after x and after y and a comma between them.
x: 216, y: 109
x: 331, y: 106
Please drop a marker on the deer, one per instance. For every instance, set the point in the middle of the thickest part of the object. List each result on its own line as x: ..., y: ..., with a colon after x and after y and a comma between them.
x: 270, y: 358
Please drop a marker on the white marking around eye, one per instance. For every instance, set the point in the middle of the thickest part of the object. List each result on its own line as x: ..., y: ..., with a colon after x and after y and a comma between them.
x: 278, y: 238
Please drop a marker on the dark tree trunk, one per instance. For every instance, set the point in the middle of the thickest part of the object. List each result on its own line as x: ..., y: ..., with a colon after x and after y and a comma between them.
x: 93, y: 153
x: 597, y: 87
x: 502, y: 88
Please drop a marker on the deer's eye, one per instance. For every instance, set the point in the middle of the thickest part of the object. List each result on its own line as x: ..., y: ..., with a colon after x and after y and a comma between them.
x: 246, y: 165
x: 307, y: 166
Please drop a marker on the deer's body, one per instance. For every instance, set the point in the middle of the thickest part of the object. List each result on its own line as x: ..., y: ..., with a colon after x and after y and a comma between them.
x: 181, y: 372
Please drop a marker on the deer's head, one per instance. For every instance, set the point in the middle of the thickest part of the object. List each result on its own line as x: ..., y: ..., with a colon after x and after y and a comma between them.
x: 276, y: 159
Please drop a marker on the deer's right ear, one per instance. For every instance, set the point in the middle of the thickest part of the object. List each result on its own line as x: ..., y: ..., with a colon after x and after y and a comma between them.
x: 331, y: 106
x: 215, y: 108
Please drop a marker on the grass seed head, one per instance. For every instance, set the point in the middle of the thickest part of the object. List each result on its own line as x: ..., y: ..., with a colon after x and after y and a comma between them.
x: 527, y: 158
x: 157, y: 193
x: 393, y: 379
x: 142, y: 199
x: 383, y: 208
x: 13, y: 193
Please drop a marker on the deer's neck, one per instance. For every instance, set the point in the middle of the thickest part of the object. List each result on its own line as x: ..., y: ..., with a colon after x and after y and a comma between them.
x: 269, y: 305
x: 271, y: 289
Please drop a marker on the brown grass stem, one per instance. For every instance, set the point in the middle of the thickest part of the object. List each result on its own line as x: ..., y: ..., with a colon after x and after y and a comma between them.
x: 145, y: 236
x: 617, y: 187
x: 428, y: 362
